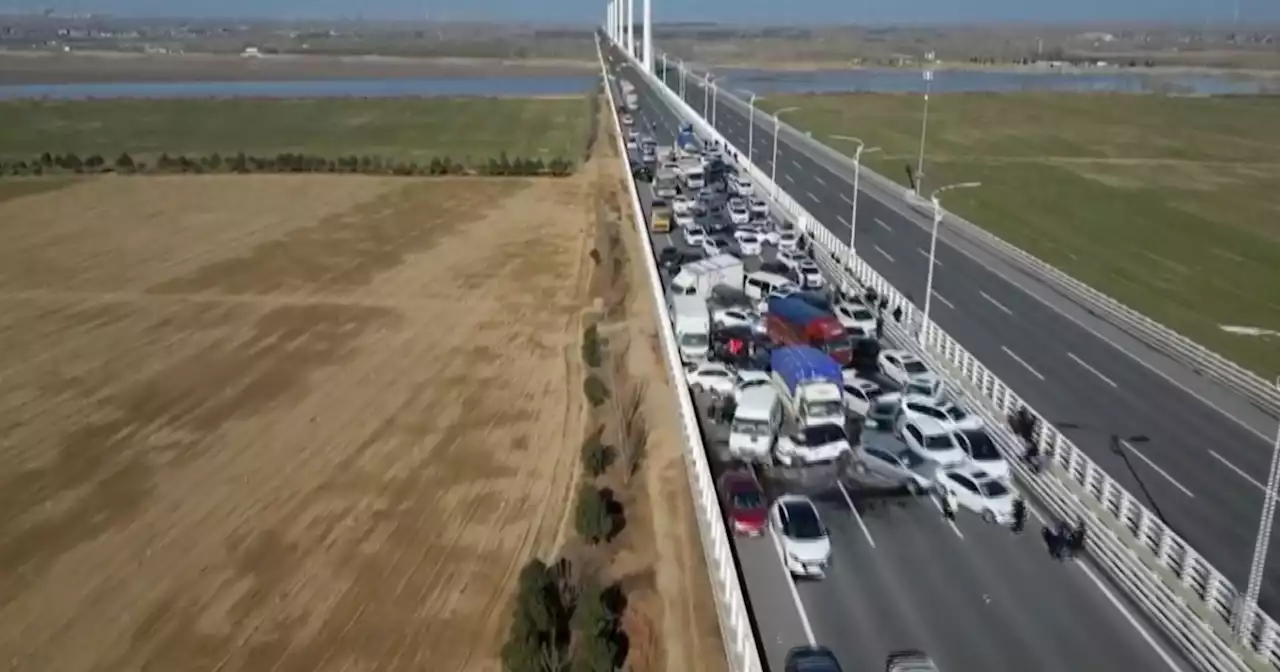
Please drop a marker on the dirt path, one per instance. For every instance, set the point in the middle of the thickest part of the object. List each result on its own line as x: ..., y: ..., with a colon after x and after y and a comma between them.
x: 283, y: 423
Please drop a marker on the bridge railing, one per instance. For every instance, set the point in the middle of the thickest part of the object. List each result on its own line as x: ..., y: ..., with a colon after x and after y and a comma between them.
x: 742, y: 650
x: 1180, y: 590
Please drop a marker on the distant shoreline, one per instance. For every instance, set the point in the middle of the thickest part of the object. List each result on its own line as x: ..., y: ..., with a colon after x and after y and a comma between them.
x: 18, y: 68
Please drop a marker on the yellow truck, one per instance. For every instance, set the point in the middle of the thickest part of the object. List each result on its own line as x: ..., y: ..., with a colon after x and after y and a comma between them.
x: 660, y: 216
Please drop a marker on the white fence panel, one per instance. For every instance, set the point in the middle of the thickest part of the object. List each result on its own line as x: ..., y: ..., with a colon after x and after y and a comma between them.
x: 1158, y: 569
x: 742, y: 650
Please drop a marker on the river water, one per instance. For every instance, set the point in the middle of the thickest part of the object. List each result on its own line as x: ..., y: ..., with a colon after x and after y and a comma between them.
x: 758, y: 81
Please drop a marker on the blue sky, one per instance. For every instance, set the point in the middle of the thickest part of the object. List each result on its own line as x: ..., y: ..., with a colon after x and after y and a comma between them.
x: 754, y: 11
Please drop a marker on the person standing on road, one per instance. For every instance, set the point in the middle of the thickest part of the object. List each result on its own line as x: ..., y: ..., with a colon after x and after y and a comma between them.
x: 1019, y: 515
x: 880, y: 327
x: 948, y: 504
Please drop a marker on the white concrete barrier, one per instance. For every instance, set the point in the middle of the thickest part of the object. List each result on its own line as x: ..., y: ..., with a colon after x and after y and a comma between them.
x: 742, y: 650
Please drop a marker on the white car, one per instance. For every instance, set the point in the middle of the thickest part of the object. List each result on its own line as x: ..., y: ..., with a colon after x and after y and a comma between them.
x: 810, y: 275
x: 933, y: 441
x: 907, y: 370
x: 685, y: 220
x: 978, y: 491
x: 682, y: 204
x: 749, y: 243
x: 817, y: 444
x: 947, y: 414
x: 983, y: 453
x: 712, y: 377
x: 712, y: 246
x: 856, y: 318
x: 859, y: 393
x: 791, y: 259
x: 732, y: 318
x: 694, y: 235
x: 738, y: 212
x: 789, y: 241
x: 740, y: 185
x: 758, y: 207
x: 806, y: 548
x: 748, y: 379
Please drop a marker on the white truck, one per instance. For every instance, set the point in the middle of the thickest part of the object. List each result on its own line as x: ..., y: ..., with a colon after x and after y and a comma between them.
x: 664, y: 183
x: 756, y: 420
x: 810, y: 385
x: 697, y: 278
x: 629, y: 95
x: 691, y: 173
x: 692, y: 324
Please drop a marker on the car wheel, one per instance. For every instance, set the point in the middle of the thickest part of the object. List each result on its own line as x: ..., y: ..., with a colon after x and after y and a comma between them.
x: 988, y: 516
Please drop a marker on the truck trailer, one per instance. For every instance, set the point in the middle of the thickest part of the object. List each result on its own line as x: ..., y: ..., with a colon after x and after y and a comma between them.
x: 794, y: 320
x: 698, y: 278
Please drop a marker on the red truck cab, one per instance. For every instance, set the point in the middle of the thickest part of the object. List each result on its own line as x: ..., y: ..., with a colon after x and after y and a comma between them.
x: 793, y: 321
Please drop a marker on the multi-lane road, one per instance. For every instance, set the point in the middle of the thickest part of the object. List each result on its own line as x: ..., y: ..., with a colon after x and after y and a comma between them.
x: 976, y: 596
x: 1205, y: 461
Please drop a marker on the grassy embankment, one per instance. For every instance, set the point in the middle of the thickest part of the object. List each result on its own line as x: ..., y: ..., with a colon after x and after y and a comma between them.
x: 1170, y: 205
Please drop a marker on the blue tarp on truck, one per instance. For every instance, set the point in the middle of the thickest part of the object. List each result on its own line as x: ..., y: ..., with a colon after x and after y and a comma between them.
x: 799, y: 364
x: 686, y: 139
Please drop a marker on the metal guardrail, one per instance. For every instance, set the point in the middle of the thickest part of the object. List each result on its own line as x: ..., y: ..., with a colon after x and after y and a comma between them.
x: 742, y: 650
x: 1260, y: 392
x: 1178, y: 588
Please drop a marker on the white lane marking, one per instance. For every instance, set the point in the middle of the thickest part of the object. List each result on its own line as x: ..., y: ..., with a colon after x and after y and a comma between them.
x: 854, y: 510
x: 938, y: 504
x: 881, y: 223
x: 1025, y: 365
x: 995, y: 303
x: 1092, y: 370
x: 789, y: 178
x: 797, y: 165
x: 1128, y: 446
x: 795, y: 594
x: 844, y: 198
x: 819, y: 180
x: 811, y: 196
x: 886, y: 254
x: 1238, y: 470
x: 1115, y: 602
x: 926, y: 256
x: 945, y: 302
x: 842, y: 220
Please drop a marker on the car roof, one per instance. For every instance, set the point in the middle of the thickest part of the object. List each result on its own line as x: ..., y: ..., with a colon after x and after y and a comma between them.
x: 900, y: 354
x: 812, y: 658
x: 974, y: 473
x: 929, y: 426
x: 790, y: 499
x: 740, y: 477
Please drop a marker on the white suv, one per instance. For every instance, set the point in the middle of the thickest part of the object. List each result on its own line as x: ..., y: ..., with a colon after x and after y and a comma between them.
x: 933, y: 441
x: 805, y: 545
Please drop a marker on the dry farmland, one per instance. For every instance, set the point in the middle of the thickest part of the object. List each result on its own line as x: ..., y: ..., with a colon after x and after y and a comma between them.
x: 295, y: 423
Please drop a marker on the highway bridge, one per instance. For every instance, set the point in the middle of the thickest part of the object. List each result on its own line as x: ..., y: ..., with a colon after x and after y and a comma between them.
x: 1205, y: 462
x: 976, y: 596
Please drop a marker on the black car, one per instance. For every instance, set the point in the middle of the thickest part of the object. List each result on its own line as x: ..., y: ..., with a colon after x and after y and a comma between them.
x: 909, y: 661
x: 866, y: 354
x: 671, y: 258
x: 642, y: 173
x: 812, y: 659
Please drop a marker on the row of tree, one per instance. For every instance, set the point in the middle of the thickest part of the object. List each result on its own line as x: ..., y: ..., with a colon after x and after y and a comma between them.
x: 240, y: 162
x: 563, y: 622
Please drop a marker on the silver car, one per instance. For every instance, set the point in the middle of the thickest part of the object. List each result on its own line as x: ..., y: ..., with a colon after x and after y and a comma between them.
x: 899, y: 465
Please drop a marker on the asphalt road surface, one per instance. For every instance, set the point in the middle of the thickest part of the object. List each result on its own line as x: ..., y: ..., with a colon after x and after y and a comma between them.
x: 1202, y: 469
x: 976, y: 596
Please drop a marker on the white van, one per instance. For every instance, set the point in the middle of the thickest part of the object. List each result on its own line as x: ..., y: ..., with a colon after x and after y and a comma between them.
x: 755, y: 424
x: 761, y: 284
x: 692, y: 324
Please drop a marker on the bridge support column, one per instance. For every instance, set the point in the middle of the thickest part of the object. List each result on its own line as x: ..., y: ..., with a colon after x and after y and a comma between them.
x: 631, y: 27
x: 647, y: 38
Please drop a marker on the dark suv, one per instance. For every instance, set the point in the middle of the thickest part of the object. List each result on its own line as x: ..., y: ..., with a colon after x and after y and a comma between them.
x: 812, y: 659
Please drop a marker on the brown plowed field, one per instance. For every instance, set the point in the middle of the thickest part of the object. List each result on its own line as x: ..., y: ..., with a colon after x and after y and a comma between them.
x: 283, y: 423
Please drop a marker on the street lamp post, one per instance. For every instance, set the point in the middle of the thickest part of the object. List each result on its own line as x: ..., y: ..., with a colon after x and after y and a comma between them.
x: 706, y: 94
x: 933, y: 247
x: 924, y: 123
x: 776, y: 124
x: 680, y: 68
x: 664, y: 69
x: 857, y: 173
x: 751, y: 125
x: 715, y: 98
x: 1249, y: 605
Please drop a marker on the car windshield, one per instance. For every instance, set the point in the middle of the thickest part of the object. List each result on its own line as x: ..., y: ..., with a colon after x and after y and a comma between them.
x: 747, y: 499
x: 914, y: 366
x: 750, y: 427
x: 821, y: 434
x: 993, y: 488
x: 955, y: 413
x: 838, y: 344
x: 981, y: 447
x: 861, y: 314
x: 911, y: 459
x: 694, y: 340
x: 938, y: 442
x: 824, y: 409
x: 748, y: 238
x: 802, y: 522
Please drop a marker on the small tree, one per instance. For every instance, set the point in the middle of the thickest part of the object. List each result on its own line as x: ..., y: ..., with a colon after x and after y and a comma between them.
x: 597, y: 456
x: 595, y: 391
x: 592, y: 517
x: 124, y: 163
x: 595, y: 652
x: 591, y: 354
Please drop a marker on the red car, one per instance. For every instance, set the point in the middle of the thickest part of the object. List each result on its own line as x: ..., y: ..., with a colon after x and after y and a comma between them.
x: 744, y: 501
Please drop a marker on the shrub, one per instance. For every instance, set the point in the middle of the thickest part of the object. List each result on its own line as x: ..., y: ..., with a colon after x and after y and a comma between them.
x: 538, y: 628
x: 595, y: 390
x: 591, y: 353
x: 597, y: 456
x: 592, y: 517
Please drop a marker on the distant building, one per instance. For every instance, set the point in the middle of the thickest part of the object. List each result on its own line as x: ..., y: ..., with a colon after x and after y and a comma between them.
x: 1096, y: 37
x: 251, y: 52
